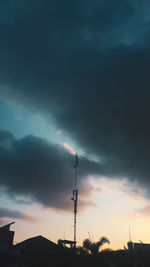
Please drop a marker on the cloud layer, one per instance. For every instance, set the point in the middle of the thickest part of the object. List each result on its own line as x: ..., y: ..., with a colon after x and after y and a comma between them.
x: 35, y: 169
x: 86, y: 63
x: 14, y: 214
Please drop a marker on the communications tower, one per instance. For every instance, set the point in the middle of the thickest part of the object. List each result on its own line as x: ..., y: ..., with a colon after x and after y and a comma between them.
x: 75, y: 197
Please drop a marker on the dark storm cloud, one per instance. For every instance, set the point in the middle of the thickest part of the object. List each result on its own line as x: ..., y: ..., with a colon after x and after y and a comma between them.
x: 14, y: 214
x: 54, y: 45
x: 37, y: 170
x: 87, y: 63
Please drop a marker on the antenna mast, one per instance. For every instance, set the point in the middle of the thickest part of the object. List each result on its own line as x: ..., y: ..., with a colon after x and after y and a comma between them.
x: 75, y: 198
x: 129, y: 233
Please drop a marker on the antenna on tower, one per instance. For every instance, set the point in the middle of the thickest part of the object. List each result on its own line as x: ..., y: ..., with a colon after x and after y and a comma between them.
x: 129, y: 233
x: 130, y: 243
x: 75, y: 198
x: 89, y: 236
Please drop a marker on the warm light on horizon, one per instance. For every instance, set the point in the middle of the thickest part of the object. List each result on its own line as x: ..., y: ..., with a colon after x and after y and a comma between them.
x: 110, y: 218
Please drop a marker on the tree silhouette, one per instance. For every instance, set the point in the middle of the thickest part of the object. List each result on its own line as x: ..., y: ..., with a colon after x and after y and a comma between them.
x: 93, y: 247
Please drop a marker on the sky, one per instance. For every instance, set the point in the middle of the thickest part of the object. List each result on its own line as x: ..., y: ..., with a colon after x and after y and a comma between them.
x: 74, y: 77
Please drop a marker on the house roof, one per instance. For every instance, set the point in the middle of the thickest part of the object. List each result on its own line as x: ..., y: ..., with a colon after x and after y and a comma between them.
x: 37, y: 243
x: 6, y: 227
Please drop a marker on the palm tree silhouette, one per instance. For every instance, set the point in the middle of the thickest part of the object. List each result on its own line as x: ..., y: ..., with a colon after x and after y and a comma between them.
x: 93, y: 247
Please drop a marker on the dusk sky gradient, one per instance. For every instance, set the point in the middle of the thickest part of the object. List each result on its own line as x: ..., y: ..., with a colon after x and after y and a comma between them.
x: 75, y: 76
